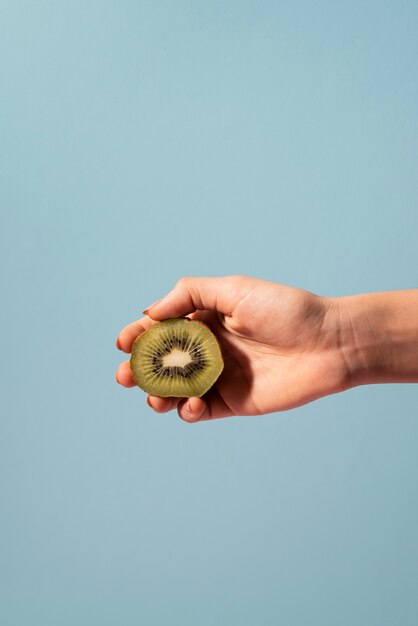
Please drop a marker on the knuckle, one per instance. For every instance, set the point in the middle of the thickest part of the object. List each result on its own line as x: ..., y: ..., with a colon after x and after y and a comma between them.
x: 240, y: 278
x: 183, y: 281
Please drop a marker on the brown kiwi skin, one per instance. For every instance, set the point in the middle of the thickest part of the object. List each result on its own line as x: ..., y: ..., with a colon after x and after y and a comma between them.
x: 147, y: 385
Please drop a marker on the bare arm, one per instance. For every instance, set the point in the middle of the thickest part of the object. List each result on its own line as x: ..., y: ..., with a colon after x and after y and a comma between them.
x: 378, y: 335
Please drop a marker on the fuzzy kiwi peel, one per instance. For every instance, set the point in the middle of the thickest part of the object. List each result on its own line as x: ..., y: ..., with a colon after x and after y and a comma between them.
x: 178, y: 358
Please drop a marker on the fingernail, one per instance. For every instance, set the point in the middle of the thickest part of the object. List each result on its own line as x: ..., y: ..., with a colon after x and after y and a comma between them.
x: 119, y: 347
x: 145, y: 311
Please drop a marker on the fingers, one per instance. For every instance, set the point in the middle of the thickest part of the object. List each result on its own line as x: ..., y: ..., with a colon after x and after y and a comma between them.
x: 189, y: 409
x: 191, y: 294
x: 162, y: 405
x: 124, y: 375
x: 193, y: 409
x: 128, y: 335
x: 212, y: 406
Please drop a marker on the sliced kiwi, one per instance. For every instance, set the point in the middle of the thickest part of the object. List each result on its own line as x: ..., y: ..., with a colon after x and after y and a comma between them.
x: 176, y: 357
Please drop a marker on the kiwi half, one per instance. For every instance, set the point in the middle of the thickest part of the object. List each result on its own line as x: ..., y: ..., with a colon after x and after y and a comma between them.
x: 176, y: 357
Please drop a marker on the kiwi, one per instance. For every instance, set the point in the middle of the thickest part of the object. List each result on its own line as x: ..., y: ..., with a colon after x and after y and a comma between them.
x: 177, y: 357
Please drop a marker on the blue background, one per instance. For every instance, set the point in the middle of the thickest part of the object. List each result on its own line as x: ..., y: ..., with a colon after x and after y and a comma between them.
x: 143, y: 141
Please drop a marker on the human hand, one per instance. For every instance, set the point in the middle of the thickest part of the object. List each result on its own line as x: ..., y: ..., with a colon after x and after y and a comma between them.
x: 280, y: 345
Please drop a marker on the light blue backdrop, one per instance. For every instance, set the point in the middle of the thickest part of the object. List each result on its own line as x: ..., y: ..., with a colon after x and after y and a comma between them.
x: 146, y: 140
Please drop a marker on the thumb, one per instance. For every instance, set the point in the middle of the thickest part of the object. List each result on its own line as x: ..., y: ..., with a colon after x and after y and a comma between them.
x: 192, y: 294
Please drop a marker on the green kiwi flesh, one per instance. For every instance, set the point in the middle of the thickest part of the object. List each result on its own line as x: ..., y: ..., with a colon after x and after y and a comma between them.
x: 178, y: 358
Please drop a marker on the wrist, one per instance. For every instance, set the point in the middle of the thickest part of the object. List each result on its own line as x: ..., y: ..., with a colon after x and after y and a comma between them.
x: 377, y: 336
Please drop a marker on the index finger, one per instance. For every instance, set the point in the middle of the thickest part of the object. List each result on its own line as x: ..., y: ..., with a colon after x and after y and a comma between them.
x: 128, y: 334
x: 193, y: 293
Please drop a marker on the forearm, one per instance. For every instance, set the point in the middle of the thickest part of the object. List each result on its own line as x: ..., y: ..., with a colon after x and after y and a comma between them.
x: 378, y: 336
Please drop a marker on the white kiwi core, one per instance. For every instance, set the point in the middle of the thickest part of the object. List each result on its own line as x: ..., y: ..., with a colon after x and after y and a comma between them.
x: 177, y: 358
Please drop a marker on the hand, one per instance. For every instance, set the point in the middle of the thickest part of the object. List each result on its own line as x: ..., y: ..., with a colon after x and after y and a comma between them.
x: 280, y: 346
